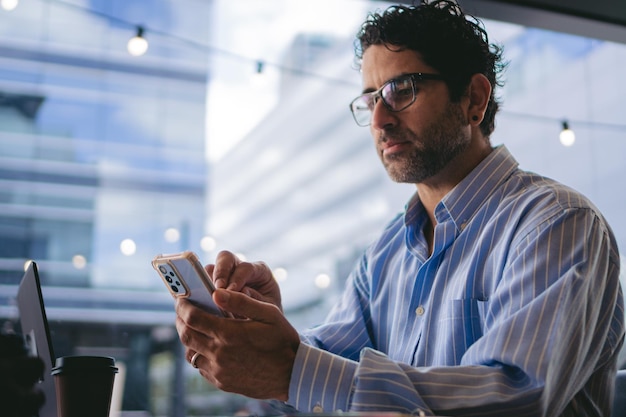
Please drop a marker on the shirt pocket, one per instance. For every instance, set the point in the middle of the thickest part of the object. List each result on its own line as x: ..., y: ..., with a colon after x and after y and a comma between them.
x: 461, y: 323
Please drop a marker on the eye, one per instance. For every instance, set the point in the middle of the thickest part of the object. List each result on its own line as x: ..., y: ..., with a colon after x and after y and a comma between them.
x: 368, y: 101
x: 398, y: 93
x: 402, y: 88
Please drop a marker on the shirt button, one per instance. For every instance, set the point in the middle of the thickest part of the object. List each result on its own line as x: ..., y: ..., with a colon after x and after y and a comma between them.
x: 419, y: 311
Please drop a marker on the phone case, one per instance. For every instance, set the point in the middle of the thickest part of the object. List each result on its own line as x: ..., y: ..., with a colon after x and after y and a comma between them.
x: 184, y: 276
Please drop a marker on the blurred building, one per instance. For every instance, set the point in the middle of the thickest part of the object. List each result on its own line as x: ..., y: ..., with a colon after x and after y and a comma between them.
x: 98, y: 148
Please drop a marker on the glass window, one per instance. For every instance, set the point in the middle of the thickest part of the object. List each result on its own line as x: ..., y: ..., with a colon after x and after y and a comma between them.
x: 233, y: 132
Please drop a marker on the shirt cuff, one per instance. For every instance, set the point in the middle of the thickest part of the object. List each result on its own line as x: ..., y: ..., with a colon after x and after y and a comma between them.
x: 320, y: 381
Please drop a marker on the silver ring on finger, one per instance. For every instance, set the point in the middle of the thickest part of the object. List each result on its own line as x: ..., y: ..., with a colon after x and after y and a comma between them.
x: 194, y: 358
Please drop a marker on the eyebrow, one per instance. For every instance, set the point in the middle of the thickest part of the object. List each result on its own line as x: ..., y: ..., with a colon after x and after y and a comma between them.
x: 371, y: 90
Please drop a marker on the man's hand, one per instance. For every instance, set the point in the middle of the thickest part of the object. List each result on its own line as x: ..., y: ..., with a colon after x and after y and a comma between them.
x: 254, y: 279
x: 252, y: 356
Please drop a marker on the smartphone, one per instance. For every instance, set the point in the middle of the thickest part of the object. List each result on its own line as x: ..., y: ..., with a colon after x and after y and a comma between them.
x: 184, y: 276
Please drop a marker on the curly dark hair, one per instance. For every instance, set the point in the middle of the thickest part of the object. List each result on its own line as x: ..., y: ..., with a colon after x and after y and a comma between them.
x: 454, y: 43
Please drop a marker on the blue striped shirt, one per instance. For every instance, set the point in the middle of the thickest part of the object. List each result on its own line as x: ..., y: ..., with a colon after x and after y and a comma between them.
x: 518, y: 310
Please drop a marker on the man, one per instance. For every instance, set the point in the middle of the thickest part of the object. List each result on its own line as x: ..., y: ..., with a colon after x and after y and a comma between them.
x: 495, y: 293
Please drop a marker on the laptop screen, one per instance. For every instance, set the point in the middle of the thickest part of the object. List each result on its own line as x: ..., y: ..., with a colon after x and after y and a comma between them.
x: 35, y: 330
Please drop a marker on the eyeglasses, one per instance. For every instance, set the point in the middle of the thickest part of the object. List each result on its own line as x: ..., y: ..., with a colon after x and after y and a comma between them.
x: 397, y: 94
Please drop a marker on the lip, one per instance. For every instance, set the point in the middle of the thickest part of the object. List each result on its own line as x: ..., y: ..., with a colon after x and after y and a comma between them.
x: 391, y: 147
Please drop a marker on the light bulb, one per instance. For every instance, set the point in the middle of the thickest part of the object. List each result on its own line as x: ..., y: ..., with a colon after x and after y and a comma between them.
x: 79, y: 261
x: 128, y: 247
x: 208, y: 243
x: 138, y: 45
x: 172, y: 235
x: 322, y: 281
x: 567, y: 136
x: 9, y: 5
x: 280, y: 274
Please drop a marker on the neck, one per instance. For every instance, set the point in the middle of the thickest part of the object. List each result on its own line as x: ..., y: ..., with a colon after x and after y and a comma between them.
x: 434, y: 189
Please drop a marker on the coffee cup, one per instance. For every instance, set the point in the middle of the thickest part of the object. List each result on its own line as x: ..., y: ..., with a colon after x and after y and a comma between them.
x: 84, y: 385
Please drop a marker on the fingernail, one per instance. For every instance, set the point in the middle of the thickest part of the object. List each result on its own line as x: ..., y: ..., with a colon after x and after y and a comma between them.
x: 219, y: 283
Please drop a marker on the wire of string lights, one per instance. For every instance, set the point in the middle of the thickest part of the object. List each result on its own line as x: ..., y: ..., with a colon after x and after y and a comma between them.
x: 567, y: 136
x: 258, y: 64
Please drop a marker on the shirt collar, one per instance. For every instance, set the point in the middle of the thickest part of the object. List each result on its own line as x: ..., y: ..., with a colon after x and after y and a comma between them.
x: 464, y: 200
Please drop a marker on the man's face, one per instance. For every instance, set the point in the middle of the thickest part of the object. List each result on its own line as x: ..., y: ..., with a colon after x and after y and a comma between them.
x: 419, y: 142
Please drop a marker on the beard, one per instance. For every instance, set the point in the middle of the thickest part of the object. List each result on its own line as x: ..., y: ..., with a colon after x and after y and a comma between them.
x: 438, y: 144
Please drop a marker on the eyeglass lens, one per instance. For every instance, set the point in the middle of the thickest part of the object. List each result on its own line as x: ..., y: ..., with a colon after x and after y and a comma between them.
x: 396, y: 94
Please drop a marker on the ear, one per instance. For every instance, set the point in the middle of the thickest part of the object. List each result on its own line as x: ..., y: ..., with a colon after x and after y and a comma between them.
x: 478, y: 92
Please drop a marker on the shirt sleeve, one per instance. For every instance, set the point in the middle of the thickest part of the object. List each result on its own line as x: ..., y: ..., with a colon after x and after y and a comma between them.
x: 552, y: 332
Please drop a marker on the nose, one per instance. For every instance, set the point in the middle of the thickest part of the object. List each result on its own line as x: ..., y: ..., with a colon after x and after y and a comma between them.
x: 382, y: 117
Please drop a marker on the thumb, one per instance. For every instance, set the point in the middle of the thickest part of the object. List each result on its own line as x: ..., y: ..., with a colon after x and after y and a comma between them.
x: 242, y: 305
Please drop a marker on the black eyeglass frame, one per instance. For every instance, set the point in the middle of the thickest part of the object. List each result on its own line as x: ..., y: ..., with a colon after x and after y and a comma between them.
x: 416, y: 76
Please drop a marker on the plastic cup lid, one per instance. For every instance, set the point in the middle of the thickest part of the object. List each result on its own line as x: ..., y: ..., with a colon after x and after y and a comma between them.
x: 84, y: 363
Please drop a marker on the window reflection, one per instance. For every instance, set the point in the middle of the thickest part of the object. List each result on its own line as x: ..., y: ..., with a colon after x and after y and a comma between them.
x: 108, y: 159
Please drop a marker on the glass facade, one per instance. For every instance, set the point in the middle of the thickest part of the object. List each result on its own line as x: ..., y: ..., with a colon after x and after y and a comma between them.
x: 98, y: 147
x: 233, y: 132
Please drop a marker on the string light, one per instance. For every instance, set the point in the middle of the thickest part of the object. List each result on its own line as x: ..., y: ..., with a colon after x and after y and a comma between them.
x: 79, y: 261
x: 280, y: 274
x: 128, y: 247
x: 9, y: 5
x: 138, y: 45
x: 171, y: 235
x: 567, y: 136
x: 209, y: 49
x: 208, y: 243
x: 322, y: 281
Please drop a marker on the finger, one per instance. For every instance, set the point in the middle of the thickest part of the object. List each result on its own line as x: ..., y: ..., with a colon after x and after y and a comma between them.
x: 196, y: 328
x: 225, y: 264
x: 193, y: 341
x: 195, y: 359
x: 242, y: 305
x: 207, y: 374
x: 256, y: 275
x: 194, y: 316
x: 189, y: 354
x: 209, y: 270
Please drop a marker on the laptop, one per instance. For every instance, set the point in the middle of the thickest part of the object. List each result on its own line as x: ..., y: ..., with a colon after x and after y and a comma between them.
x: 36, y: 334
